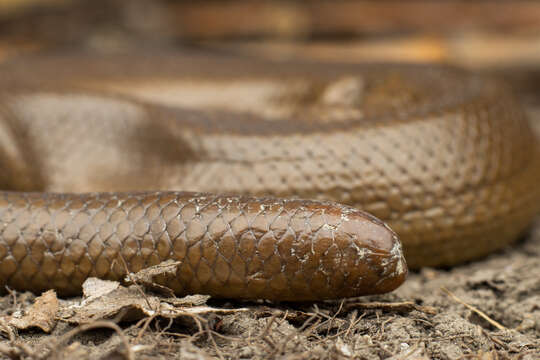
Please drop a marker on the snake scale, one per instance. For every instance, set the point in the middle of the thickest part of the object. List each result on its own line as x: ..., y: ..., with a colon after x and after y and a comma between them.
x: 111, y: 161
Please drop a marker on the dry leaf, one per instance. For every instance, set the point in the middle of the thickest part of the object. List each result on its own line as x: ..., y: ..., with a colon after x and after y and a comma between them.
x: 147, y: 277
x: 104, y: 299
x: 41, y: 314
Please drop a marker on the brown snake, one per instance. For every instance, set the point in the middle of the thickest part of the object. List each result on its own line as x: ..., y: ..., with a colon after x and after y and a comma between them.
x: 446, y: 158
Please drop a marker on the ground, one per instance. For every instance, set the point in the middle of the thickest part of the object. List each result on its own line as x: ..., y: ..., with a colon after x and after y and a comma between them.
x: 488, y: 309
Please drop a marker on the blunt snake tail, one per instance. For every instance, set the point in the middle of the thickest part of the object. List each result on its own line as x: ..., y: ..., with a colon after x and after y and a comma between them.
x: 141, y: 158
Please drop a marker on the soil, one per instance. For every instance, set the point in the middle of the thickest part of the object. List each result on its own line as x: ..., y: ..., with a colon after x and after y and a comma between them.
x: 488, y: 309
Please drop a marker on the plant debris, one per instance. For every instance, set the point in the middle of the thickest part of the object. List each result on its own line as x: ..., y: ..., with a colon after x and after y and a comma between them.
x: 39, y: 315
x: 485, y: 310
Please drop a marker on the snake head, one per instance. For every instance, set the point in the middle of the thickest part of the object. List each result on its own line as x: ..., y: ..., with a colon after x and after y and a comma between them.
x: 371, y: 257
x: 322, y: 250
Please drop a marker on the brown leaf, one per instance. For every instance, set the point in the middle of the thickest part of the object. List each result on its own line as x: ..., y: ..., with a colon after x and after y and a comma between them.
x: 41, y: 314
x: 147, y: 277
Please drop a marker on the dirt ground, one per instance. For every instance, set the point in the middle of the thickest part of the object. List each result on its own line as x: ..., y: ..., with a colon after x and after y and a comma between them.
x: 488, y: 309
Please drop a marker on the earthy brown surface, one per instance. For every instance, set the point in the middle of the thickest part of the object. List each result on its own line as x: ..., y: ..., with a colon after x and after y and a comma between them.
x: 505, y: 287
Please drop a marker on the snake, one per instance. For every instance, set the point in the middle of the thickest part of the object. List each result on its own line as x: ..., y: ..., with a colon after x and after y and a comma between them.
x: 113, y: 163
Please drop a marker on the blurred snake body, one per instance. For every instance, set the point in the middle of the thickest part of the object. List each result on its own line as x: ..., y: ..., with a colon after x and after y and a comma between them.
x: 119, y: 160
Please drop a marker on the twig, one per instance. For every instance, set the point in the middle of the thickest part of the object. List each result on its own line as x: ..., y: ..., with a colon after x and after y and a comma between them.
x: 218, y: 352
x: 475, y: 310
x: 342, y: 332
x: 145, y: 326
x: 333, y: 318
x: 403, y: 306
x: 95, y: 325
x: 263, y: 336
x: 292, y: 334
x: 171, y: 320
x: 137, y: 285
x: 386, y: 322
x: 176, y: 334
x: 13, y: 295
x: 355, y: 322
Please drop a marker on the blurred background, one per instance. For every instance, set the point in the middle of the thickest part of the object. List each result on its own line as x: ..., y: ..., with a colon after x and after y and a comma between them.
x: 499, y: 37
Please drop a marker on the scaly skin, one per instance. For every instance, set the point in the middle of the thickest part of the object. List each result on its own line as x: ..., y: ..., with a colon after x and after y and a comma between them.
x: 234, y: 247
x: 447, y: 159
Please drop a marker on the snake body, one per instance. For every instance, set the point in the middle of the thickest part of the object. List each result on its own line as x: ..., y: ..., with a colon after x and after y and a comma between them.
x: 88, y: 144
